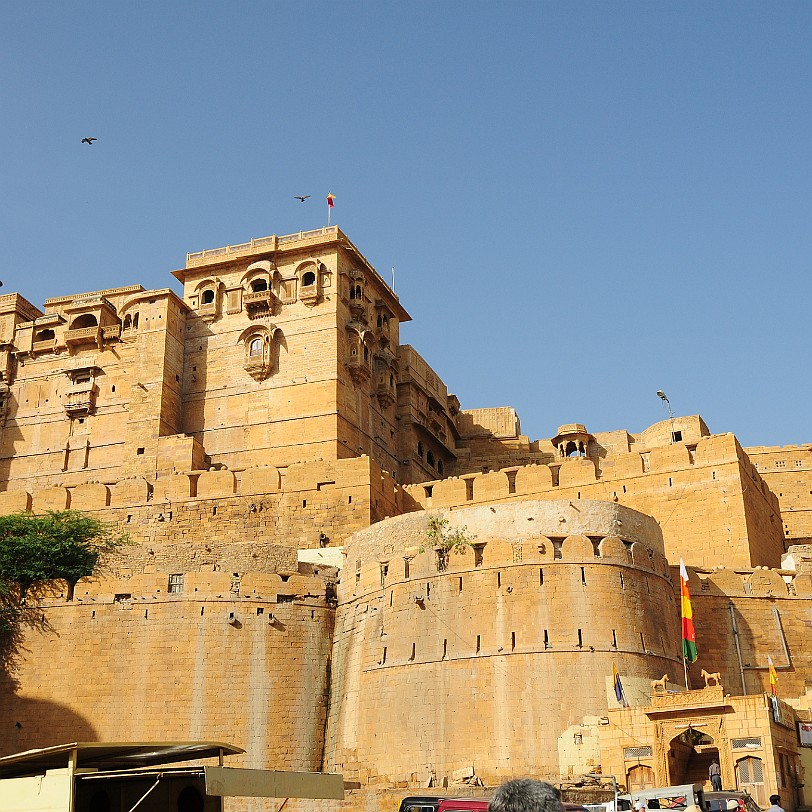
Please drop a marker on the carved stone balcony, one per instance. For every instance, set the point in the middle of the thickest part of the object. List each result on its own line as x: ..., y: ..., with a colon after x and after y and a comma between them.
x: 111, y: 332
x: 259, y: 301
x: 385, y: 393
x: 207, y: 312
x: 85, y: 335
x: 80, y: 399
x: 358, y: 368
x: 309, y: 295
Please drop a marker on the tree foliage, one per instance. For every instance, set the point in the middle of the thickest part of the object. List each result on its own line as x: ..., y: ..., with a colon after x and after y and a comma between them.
x: 445, y: 540
x: 35, y: 549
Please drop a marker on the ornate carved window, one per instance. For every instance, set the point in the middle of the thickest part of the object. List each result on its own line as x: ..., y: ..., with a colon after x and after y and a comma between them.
x: 208, y: 296
x: 79, y: 399
x: 359, y: 363
x: 261, y: 293
x: 261, y: 350
x: 309, y: 282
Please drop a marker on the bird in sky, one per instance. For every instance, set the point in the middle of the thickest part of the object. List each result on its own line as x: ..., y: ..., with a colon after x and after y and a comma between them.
x: 89, y: 140
x: 301, y: 197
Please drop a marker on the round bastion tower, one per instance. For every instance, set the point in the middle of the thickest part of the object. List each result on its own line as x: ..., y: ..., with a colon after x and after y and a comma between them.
x: 481, y: 659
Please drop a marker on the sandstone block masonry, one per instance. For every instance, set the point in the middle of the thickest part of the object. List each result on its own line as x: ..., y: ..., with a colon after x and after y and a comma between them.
x: 464, y: 661
x: 268, y: 412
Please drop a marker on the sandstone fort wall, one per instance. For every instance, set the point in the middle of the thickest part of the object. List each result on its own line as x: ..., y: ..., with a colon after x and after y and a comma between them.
x: 144, y: 667
x: 306, y: 505
x: 745, y: 616
x: 740, y: 523
x: 474, y: 663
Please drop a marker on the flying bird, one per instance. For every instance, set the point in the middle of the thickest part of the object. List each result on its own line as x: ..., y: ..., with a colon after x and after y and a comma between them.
x: 301, y: 197
x: 89, y: 140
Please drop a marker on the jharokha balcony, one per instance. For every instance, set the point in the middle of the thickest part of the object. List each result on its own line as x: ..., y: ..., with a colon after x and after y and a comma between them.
x: 80, y: 399
x: 92, y: 335
x: 259, y: 301
x: 84, y: 335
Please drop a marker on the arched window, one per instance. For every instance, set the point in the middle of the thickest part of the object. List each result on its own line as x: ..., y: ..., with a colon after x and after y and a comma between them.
x: 358, y: 293
x: 82, y: 322
x: 207, y: 297
x: 135, y: 321
x: 430, y: 458
x: 366, y: 353
x: 259, y: 284
x: 128, y: 322
x: 308, y: 279
x: 420, y: 450
x: 45, y: 335
x: 380, y: 320
x: 255, y: 347
x: 440, y: 467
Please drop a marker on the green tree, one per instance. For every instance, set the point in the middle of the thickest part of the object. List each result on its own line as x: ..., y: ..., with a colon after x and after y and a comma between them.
x: 445, y: 540
x: 37, y: 548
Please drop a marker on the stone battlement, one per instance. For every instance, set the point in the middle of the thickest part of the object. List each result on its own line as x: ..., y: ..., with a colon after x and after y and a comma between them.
x: 308, y: 504
x: 670, y: 483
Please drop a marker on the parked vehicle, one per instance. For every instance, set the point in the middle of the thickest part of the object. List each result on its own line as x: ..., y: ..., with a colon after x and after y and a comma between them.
x: 421, y: 803
x: 438, y: 803
x: 720, y: 802
x: 481, y: 805
x: 677, y: 797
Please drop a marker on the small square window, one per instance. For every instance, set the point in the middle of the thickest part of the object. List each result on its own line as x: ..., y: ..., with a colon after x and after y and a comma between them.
x: 175, y: 584
x: 139, y: 451
x: 676, y: 436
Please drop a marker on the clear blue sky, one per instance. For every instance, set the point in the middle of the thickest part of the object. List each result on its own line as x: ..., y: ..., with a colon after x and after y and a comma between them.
x: 584, y: 202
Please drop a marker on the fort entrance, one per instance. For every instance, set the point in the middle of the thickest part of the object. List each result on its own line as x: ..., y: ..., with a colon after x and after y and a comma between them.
x: 690, y: 754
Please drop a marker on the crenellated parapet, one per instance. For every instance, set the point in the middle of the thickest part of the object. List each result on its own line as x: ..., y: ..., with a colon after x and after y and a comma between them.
x: 672, y: 483
x: 541, y: 593
x: 308, y: 504
x: 746, y: 616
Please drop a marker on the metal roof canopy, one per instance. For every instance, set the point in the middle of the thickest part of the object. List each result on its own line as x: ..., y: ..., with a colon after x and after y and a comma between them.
x: 110, y: 756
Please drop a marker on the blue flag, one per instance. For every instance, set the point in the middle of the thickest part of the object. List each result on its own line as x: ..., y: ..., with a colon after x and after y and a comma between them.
x: 619, y: 695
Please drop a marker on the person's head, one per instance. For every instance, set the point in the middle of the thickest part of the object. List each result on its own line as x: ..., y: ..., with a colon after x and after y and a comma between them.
x: 526, y: 795
x: 775, y: 800
x: 715, y: 761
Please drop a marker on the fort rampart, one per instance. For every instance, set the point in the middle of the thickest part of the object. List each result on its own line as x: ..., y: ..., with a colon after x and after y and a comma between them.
x: 470, y: 660
x: 176, y: 644
x: 745, y: 616
x: 305, y: 505
x: 740, y: 524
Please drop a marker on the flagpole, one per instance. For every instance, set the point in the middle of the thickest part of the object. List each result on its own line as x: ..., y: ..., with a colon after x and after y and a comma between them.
x: 685, y: 669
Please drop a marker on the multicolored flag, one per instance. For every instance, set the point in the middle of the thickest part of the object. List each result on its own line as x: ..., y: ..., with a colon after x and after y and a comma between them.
x: 688, y: 631
x: 330, y: 198
x: 618, y: 686
x: 773, y: 675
